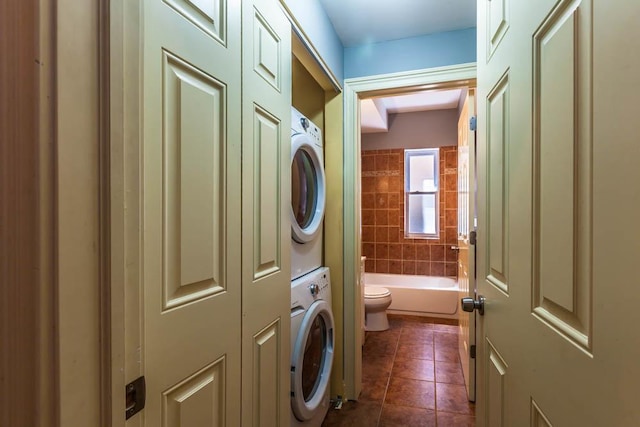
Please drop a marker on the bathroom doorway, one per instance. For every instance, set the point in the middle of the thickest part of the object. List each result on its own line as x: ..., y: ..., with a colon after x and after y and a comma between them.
x: 356, y: 90
x: 417, y: 216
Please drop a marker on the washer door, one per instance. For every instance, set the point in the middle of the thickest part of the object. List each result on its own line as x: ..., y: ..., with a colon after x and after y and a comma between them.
x: 307, y: 189
x: 312, y: 360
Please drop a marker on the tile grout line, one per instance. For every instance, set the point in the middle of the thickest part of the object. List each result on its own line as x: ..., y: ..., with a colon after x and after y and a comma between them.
x: 386, y: 388
x: 404, y: 328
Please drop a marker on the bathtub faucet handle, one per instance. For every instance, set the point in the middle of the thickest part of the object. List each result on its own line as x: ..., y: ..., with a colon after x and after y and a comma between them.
x: 469, y: 304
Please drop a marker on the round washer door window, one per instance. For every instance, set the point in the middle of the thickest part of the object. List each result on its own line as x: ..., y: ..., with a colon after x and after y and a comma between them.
x: 307, y: 190
x: 312, y: 360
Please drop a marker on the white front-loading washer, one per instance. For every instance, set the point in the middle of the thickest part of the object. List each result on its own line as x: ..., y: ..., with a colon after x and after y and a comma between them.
x: 307, y: 195
x: 312, y: 344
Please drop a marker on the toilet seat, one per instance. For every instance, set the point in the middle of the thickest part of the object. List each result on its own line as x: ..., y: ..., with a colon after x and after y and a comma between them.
x: 372, y: 292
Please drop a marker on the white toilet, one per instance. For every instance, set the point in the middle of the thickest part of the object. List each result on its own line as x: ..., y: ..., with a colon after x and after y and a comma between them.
x: 376, y: 301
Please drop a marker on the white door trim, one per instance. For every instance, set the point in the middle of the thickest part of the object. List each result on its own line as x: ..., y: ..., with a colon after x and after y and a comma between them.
x: 123, y: 302
x: 354, y: 90
x: 81, y: 247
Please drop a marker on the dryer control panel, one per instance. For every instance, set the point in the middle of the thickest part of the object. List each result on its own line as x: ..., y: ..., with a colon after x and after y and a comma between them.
x: 319, y: 287
x: 314, y: 133
x: 300, y: 124
x: 311, y: 287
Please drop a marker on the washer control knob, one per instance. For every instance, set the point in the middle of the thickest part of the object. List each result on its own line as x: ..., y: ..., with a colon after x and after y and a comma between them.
x: 314, y: 289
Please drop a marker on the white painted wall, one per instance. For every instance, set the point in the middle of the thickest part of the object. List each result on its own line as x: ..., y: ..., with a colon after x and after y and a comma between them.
x: 422, y: 129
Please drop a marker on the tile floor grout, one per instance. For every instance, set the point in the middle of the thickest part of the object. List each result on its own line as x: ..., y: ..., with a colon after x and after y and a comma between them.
x: 384, y: 396
x: 395, y: 408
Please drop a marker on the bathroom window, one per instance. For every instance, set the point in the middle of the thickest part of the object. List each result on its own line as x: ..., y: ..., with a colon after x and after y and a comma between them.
x: 421, y: 193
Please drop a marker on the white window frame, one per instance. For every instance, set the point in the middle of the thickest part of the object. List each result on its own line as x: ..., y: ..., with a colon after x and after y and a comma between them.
x: 435, y: 152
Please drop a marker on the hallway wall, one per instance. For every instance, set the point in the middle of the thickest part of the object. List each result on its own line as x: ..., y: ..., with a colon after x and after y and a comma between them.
x: 438, y: 128
x: 413, y: 53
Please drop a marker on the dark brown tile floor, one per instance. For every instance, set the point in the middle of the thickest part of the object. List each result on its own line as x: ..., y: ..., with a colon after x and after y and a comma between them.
x: 411, y: 376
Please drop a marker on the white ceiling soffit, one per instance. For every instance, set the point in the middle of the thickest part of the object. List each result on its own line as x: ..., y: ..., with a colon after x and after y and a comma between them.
x: 373, y: 116
x: 424, y: 101
x: 374, y: 112
x: 360, y: 22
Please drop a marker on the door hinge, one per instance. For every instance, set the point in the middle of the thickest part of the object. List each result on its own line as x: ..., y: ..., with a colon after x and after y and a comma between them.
x: 472, y: 237
x: 472, y: 123
x: 472, y: 352
x: 135, y: 395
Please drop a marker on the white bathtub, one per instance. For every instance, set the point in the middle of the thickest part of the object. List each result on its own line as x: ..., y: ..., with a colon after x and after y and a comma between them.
x: 418, y: 295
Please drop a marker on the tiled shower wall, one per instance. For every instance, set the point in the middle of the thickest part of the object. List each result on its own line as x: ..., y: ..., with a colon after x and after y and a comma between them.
x: 383, y: 241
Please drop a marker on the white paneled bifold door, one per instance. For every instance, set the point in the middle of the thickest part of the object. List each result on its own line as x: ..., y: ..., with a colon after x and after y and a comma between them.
x: 190, y: 229
x: 266, y: 227
x: 207, y: 246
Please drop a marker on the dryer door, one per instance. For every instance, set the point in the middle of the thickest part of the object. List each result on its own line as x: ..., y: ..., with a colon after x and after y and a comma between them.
x: 312, y: 360
x: 307, y: 189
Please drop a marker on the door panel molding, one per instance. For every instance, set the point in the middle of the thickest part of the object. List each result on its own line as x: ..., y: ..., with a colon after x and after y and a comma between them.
x: 497, y: 184
x: 209, y: 15
x: 267, y: 168
x: 497, y: 24
x: 538, y: 418
x: 197, y: 400
x: 267, y: 52
x: 194, y: 206
x: 562, y: 172
x: 267, y: 387
x: 495, y: 386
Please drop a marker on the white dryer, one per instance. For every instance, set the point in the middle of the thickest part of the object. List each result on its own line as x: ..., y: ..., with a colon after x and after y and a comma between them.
x: 312, y: 344
x: 307, y: 195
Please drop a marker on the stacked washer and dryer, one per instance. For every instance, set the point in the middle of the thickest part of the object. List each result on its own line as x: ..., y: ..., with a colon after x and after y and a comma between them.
x: 312, y: 337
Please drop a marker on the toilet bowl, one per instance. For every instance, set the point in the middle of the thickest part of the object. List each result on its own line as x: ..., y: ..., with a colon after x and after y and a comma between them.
x: 376, y: 302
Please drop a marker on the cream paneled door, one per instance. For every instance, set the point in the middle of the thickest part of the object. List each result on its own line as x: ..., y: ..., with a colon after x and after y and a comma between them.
x: 191, y: 162
x: 558, y: 196
x: 466, y: 250
x: 266, y: 237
